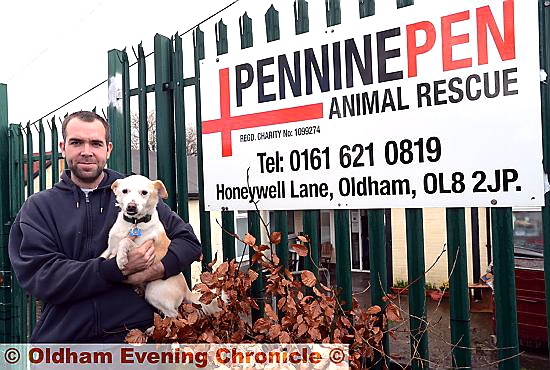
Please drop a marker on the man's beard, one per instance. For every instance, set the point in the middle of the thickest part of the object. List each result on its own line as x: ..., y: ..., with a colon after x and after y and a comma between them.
x: 86, y: 176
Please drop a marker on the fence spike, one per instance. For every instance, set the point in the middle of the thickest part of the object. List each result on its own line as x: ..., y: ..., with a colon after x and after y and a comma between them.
x: 134, y: 50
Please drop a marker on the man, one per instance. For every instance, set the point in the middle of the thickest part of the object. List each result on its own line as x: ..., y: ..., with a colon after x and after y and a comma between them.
x: 59, y: 233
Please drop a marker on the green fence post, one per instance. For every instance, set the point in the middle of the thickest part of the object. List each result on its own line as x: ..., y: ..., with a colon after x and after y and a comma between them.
x: 5, y: 296
x: 505, y: 288
x: 404, y: 3
x: 301, y: 17
x: 166, y: 165
x: 378, y: 267
x: 181, y: 138
x: 279, y: 223
x: 205, y: 229
x: 228, y: 217
x: 417, y: 291
x: 115, y: 112
x: 311, y: 229
x: 458, y: 288
x: 272, y: 24
x: 333, y: 12
x: 20, y: 313
x: 228, y: 240
x: 180, y: 130
x: 30, y: 161
x: 142, y: 114
x: 366, y: 8
x: 343, y: 259
x: 55, y: 153
x: 41, y: 156
x: 245, y: 24
x: 544, y: 39
x: 256, y: 291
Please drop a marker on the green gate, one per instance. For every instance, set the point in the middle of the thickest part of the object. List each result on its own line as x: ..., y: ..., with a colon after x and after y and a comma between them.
x: 19, y: 166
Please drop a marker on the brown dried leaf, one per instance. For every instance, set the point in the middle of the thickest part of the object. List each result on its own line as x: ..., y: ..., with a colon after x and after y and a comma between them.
x: 314, y: 333
x: 223, y: 268
x: 249, y: 239
x: 207, y: 297
x: 301, y: 249
x: 373, y: 310
x: 284, y: 337
x: 281, y: 303
x: 193, y: 317
x: 270, y: 313
x: 208, y: 278
x: 392, y: 312
x: 302, y: 329
x: 274, y: 331
x: 389, y: 297
x: 257, y: 257
x: 308, y: 278
x: 260, y: 248
x: 136, y: 336
x: 201, y: 287
x: 262, y: 325
x: 303, y: 239
x: 253, y: 275
x: 345, y: 321
x: 275, y: 259
x: 275, y: 237
x: 289, y: 275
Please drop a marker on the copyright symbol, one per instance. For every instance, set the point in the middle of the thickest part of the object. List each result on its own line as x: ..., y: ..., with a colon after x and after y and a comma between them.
x: 337, y: 355
x: 12, y: 356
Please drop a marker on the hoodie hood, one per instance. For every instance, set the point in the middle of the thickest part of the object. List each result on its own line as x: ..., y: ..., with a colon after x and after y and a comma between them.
x: 67, y: 184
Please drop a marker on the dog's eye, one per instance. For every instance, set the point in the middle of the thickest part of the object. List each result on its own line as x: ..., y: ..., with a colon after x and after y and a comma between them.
x: 124, y: 191
x: 144, y: 192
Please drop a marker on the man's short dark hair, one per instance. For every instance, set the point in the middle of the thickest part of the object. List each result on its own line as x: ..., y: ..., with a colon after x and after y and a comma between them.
x: 86, y: 116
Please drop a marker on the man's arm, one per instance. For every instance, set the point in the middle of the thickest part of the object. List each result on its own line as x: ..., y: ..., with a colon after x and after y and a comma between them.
x: 48, y: 274
x: 184, y: 249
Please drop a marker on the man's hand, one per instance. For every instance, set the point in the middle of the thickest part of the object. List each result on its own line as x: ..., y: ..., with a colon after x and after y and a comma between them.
x: 140, y: 258
x: 156, y: 271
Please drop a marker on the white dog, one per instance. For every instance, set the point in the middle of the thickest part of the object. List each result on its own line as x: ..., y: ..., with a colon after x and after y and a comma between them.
x: 137, y: 197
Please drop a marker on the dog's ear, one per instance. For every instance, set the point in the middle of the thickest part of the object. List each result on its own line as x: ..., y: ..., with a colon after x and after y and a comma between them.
x: 115, y: 185
x: 159, y: 186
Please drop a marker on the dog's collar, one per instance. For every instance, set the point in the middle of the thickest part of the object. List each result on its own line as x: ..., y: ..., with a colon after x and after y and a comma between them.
x: 136, y: 221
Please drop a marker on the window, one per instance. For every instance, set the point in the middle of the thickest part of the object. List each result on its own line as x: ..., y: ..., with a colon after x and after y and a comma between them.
x: 241, y: 228
x: 528, y: 237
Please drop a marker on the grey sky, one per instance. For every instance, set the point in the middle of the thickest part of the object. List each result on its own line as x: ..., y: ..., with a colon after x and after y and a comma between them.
x: 53, y: 51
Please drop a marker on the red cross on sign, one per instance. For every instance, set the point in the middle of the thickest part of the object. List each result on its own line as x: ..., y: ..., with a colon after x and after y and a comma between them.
x: 226, y: 123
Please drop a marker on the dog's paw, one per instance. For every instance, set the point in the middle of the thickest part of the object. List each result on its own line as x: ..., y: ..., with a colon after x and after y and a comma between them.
x: 121, y: 260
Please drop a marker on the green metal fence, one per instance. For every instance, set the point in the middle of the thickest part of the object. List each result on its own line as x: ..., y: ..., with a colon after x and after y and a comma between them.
x: 19, y: 166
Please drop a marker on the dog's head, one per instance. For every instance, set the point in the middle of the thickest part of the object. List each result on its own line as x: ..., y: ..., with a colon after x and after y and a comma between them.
x: 138, y: 196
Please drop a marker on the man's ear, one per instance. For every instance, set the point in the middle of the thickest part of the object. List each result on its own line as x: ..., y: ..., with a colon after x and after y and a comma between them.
x: 115, y: 185
x: 109, y: 149
x: 159, y: 186
x: 62, y: 148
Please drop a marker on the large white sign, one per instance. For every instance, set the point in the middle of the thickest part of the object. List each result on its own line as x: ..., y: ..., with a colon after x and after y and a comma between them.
x: 438, y: 107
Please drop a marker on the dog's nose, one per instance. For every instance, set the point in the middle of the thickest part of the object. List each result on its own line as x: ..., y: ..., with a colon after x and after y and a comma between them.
x: 131, y: 208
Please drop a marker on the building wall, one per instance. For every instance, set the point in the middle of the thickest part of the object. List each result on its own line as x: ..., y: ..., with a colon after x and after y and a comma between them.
x: 434, y: 243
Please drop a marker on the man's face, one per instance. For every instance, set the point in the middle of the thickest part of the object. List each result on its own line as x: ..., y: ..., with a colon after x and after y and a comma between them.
x: 85, y: 151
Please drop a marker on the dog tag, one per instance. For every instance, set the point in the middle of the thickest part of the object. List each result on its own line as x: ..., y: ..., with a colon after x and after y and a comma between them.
x: 136, y: 231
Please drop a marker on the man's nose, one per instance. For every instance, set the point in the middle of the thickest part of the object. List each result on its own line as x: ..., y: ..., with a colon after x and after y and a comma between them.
x: 86, y: 150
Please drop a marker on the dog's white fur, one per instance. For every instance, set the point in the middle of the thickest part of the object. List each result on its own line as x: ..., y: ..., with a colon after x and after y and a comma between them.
x: 140, y: 195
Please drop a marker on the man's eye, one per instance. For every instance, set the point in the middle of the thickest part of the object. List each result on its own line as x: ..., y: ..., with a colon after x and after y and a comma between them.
x: 144, y: 192
x: 124, y: 191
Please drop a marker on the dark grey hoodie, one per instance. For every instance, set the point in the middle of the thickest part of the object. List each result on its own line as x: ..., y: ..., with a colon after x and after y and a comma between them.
x: 54, y: 246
